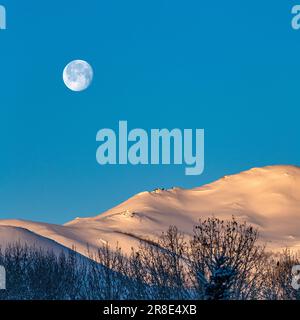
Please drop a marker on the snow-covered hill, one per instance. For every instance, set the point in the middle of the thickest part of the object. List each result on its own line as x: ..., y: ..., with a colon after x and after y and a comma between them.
x: 13, y: 235
x: 268, y: 198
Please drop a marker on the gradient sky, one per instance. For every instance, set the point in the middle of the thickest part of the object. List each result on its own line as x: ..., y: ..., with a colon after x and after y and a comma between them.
x: 230, y: 67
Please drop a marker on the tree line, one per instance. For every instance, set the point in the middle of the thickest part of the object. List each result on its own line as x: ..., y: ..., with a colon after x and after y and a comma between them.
x: 222, y: 260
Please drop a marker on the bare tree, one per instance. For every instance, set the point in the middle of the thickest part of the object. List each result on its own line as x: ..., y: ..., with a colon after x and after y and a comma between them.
x: 107, y: 274
x: 159, y: 265
x: 225, y: 260
x: 278, y: 276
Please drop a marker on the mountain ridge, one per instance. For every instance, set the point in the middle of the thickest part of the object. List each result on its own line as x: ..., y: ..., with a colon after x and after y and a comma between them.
x: 267, y: 197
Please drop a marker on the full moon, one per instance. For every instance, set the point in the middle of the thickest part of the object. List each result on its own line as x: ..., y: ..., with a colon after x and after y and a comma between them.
x: 78, y: 75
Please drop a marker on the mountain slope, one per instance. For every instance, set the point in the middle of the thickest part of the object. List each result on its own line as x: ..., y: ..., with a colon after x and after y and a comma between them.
x: 12, y: 235
x: 268, y: 198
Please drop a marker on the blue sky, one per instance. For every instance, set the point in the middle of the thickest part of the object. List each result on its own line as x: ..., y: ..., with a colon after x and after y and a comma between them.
x: 230, y: 67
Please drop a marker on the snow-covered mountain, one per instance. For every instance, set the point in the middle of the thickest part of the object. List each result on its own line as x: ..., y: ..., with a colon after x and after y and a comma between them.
x: 268, y: 198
